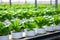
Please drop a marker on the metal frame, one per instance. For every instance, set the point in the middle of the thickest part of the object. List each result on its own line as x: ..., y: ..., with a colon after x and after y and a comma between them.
x: 35, y: 3
x: 10, y: 3
x: 50, y: 2
x: 25, y: 1
x: 56, y: 4
x: 48, y: 37
x: 1, y: 1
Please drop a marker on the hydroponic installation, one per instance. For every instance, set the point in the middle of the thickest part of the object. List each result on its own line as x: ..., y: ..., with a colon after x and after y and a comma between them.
x: 25, y: 20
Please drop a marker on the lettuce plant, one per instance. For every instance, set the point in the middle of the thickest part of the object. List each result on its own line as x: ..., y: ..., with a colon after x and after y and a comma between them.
x: 50, y: 20
x: 56, y: 19
x: 16, y: 26
x: 30, y: 25
x: 41, y: 21
x: 4, y: 30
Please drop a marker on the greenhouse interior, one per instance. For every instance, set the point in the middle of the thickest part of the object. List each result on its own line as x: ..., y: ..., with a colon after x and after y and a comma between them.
x: 29, y: 19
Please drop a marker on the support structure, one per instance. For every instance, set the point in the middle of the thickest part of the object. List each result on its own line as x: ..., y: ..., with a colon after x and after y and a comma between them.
x: 35, y: 3
x: 56, y: 4
x: 1, y: 1
x: 10, y: 3
x: 25, y: 1
x: 50, y: 2
x: 47, y: 36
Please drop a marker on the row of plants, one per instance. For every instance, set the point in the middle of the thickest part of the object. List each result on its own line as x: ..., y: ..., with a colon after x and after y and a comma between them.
x: 31, y: 27
x: 15, y: 20
x: 27, y: 13
x: 19, y: 6
x: 26, y: 6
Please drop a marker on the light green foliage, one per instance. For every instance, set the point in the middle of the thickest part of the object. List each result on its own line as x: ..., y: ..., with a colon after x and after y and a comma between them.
x: 43, y: 15
x: 56, y: 19
x: 30, y: 25
x: 4, y: 30
x: 16, y: 26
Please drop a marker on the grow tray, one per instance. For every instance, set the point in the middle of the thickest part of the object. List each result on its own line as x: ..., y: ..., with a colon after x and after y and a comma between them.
x: 46, y: 36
